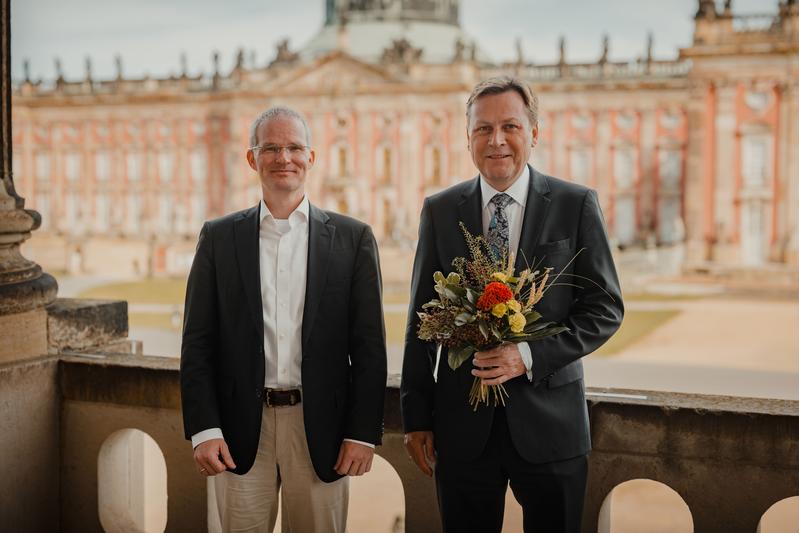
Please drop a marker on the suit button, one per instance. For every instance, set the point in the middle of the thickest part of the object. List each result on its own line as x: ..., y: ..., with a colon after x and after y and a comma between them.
x: 259, y: 393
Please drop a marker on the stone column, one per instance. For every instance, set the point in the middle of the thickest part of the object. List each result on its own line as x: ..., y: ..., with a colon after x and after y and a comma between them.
x: 24, y: 288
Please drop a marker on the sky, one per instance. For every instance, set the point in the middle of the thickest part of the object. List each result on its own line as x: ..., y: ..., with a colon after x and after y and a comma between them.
x: 150, y: 35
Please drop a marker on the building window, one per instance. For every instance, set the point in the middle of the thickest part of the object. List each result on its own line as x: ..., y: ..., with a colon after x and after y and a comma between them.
x: 623, y: 167
x: 42, y: 162
x: 16, y: 170
x: 579, y: 162
x: 435, y: 166
x: 342, y: 161
x: 386, y: 164
x: 197, y: 210
x: 133, y: 213
x: 165, y: 161
x: 71, y: 212
x: 102, y: 166
x: 102, y: 212
x: 43, y: 207
x: 199, y: 166
x: 165, y: 214
x: 134, y: 165
x: 72, y: 166
x: 670, y: 163
x: 756, y: 160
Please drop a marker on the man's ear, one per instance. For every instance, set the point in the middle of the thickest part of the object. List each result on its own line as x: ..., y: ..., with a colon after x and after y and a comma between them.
x: 534, y: 139
x: 251, y: 160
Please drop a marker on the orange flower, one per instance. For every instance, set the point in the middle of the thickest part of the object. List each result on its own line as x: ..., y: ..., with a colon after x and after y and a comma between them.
x: 493, y: 294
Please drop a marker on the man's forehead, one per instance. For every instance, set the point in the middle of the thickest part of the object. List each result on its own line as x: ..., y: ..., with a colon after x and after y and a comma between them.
x: 281, y: 125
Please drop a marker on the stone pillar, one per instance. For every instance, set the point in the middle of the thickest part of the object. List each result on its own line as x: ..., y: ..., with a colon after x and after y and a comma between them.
x: 24, y: 288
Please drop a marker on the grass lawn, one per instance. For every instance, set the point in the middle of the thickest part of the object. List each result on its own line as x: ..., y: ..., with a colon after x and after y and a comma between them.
x: 153, y: 320
x: 147, y: 291
x: 636, y: 325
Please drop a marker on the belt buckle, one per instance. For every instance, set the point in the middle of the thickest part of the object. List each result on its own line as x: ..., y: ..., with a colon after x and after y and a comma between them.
x: 267, y: 397
x: 292, y: 398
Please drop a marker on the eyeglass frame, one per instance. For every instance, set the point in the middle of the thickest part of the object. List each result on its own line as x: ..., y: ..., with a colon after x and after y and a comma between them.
x: 279, y: 149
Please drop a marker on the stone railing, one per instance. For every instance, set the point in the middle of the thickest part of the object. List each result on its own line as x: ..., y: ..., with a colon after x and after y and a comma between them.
x: 729, y: 459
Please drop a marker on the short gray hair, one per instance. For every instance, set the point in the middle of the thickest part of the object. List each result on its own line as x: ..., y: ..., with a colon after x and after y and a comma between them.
x: 277, y: 112
x: 503, y: 84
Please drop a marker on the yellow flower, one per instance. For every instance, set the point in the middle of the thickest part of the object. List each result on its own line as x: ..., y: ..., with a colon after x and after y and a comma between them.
x: 499, y: 310
x: 500, y: 276
x: 514, y: 306
x: 517, y: 322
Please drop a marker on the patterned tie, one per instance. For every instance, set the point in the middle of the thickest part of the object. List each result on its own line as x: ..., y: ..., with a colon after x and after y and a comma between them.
x: 498, y: 231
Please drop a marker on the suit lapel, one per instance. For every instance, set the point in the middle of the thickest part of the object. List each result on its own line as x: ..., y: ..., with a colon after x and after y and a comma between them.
x: 535, y: 215
x: 245, y: 234
x: 320, y: 243
x: 470, y: 209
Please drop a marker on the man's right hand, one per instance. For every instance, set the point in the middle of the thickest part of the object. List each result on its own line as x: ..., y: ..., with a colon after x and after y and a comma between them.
x: 212, y: 457
x: 420, y: 447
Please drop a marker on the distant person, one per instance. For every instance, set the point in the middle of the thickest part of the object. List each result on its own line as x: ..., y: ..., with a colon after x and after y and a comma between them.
x: 540, y: 439
x: 283, y: 363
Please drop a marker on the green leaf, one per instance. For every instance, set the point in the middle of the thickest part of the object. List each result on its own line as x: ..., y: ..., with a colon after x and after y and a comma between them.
x: 496, y: 332
x: 453, y: 278
x: 450, y: 295
x: 483, y: 328
x: 456, y: 356
x: 464, y: 318
x: 547, y: 332
x: 457, y: 289
x: 431, y: 303
x: 532, y: 316
x: 438, y: 277
x: 471, y: 296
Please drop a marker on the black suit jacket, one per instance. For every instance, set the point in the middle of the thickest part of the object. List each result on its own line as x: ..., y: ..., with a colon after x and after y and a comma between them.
x: 343, y: 337
x: 548, y: 418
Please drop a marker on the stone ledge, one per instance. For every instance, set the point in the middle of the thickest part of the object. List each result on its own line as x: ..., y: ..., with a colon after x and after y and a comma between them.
x: 78, y: 324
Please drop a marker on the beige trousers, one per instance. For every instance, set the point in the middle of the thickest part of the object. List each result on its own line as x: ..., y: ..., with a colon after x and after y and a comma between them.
x: 283, y: 463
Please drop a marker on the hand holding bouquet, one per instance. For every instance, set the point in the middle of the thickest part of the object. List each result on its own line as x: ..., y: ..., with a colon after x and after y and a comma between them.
x: 481, y: 305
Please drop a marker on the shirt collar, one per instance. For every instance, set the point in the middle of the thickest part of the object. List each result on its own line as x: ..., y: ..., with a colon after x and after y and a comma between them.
x: 300, y: 214
x: 518, y: 191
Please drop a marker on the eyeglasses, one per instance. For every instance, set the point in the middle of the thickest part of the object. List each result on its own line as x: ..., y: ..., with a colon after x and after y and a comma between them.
x: 274, y: 150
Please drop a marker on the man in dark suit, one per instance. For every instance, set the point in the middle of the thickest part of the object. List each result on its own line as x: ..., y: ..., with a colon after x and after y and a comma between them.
x: 283, y: 363
x: 539, y: 441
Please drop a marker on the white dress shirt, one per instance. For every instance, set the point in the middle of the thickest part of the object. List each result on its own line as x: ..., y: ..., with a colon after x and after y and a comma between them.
x: 283, y: 257
x: 515, y: 214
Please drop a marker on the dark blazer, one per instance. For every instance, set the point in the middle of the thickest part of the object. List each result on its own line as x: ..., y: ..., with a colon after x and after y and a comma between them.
x: 548, y: 418
x: 343, y: 337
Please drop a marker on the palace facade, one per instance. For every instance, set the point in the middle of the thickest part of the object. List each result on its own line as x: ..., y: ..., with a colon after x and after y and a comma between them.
x: 695, y: 151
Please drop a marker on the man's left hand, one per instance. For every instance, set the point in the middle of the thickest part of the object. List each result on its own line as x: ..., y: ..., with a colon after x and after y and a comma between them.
x: 354, y: 459
x: 498, y: 365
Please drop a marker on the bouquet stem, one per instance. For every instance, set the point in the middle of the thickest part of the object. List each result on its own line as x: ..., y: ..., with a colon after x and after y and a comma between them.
x: 488, y: 394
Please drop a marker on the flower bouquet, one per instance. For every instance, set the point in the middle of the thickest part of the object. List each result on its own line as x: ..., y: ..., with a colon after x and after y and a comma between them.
x: 481, y: 305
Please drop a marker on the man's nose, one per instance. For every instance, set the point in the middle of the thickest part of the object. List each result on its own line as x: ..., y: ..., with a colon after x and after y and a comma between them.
x: 283, y: 155
x: 497, y: 138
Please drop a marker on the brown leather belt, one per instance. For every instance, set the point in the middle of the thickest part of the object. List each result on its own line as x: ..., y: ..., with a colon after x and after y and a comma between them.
x: 282, y: 398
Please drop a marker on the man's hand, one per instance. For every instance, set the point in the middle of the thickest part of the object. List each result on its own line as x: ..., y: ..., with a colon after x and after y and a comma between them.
x: 498, y: 365
x: 207, y: 455
x: 354, y: 459
x: 420, y: 447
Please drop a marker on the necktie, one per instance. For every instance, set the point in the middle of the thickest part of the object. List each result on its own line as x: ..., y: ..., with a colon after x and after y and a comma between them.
x: 498, y: 231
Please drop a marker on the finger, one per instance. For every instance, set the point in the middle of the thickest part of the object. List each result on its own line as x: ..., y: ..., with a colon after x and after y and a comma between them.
x: 213, y: 462
x: 496, y: 381
x: 345, y: 465
x: 226, y: 458
x: 369, y: 465
x: 339, y: 459
x: 418, y: 456
x: 430, y: 452
x: 362, y: 468
x: 353, y: 469
x: 491, y: 373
